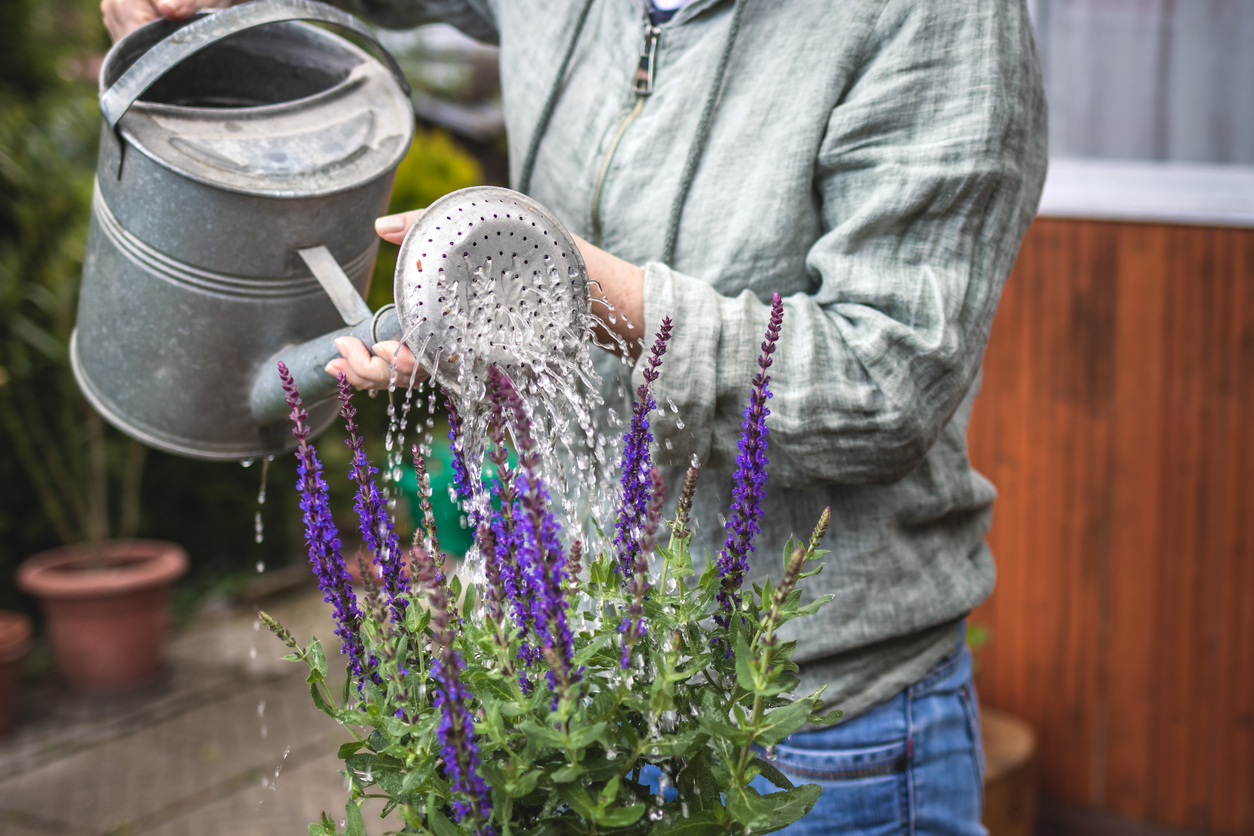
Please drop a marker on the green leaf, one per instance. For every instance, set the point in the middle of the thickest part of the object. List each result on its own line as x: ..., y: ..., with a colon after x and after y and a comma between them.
x: 354, y: 826
x: 589, y: 650
x: 523, y: 785
x: 696, y: 782
x: 316, y: 829
x: 567, y: 773
x: 746, y: 676
x: 578, y: 799
x: 700, y: 823
x: 772, y: 774
x: 349, y: 748
x: 681, y: 559
x: 784, y: 721
x: 542, y: 734
x: 826, y: 719
x: 585, y: 735
x: 788, y: 807
x: 320, y: 703
x: 621, y: 816
x: 317, y: 662
x: 439, y: 823
x: 748, y: 808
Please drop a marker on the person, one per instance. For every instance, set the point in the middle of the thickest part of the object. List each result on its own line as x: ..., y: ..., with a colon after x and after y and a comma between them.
x: 876, y: 162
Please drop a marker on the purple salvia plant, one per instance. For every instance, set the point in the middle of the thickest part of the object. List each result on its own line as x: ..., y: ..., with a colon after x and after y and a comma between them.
x: 633, y: 627
x: 373, y: 518
x: 540, y: 557
x: 462, y: 483
x: 637, y: 460
x: 321, y: 535
x: 456, y: 727
x: 749, y: 482
x: 505, y: 526
x: 683, y: 508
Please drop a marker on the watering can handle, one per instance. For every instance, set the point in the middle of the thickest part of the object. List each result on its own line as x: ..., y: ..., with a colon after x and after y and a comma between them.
x: 214, y: 26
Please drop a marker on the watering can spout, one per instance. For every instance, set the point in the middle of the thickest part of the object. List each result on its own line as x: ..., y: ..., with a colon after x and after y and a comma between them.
x: 307, y: 361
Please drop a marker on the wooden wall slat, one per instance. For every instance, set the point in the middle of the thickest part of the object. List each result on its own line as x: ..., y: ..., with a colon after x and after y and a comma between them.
x: 1116, y: 418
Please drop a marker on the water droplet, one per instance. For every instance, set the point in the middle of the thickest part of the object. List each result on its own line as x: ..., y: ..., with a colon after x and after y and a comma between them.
x: 252, y: 653
x: 655, y: 814
x: 247, y: 463
x: 679, y: 423
x: 669, y: 444
x: 261, y: 566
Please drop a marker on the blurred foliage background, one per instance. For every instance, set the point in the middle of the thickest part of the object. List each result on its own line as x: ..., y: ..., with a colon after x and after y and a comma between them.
x: 65, y: 476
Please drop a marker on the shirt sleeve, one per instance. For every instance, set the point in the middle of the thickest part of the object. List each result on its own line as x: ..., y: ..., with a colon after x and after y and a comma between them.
x: 928, y: 174
x: 475, y: 18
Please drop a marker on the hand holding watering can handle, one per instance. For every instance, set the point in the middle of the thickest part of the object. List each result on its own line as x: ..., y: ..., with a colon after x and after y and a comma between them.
x: 210, y: 27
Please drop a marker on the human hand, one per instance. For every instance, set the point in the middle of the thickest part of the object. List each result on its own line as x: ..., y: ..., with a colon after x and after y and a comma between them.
x: 393, y: 227
x: 365, y: 370
x: 123, y: 16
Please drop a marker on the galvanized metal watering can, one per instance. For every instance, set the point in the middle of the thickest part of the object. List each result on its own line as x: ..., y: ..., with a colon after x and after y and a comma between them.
x: 244, y: 156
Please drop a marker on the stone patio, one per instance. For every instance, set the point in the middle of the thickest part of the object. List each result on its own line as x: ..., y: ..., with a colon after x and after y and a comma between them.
x: 228, y: 743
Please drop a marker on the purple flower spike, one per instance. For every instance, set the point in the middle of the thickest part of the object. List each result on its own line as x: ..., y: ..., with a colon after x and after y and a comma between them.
x: 374, y: 521
x: 633, y: 627
x: 462, y: 483
x: 749, y: 482
x: 321, y: 536
x: 540, y: 558
x: 456, y: 727
x: 637, y: 461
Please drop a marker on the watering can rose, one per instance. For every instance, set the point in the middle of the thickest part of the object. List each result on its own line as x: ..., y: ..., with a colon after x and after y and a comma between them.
x: 567, y: 694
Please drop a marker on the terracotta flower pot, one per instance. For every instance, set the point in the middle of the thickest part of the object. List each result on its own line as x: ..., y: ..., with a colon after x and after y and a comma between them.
x: 107, y: 624
x: 14, y: 642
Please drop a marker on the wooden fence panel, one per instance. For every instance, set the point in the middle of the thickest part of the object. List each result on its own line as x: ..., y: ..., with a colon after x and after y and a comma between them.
x: 1117, y: 420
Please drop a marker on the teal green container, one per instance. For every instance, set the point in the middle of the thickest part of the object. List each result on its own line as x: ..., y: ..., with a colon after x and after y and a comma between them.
x: 455, y: 537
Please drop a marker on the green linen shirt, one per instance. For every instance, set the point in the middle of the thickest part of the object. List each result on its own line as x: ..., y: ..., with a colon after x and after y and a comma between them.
x: 876, y: 162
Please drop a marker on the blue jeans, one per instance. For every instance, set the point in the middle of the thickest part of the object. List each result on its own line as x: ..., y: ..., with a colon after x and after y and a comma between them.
x: 912, y: 765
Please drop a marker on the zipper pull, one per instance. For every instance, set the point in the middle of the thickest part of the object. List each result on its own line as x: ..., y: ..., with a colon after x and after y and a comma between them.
x: 642, y: 84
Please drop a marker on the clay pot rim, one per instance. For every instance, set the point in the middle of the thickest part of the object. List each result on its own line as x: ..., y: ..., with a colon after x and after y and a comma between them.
x: 15, y: 633
x: 144, y: 564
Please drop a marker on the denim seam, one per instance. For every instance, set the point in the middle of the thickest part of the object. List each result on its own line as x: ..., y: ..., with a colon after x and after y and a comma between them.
x: 909, y: 776
x: 970, y: 708
x: 946, y: 667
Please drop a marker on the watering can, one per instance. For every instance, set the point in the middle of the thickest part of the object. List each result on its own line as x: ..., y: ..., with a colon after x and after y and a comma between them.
x: 244, y: 156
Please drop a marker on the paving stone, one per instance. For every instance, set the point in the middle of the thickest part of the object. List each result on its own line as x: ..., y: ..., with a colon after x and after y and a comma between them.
x: 196, y: 755
x: 298, y: 797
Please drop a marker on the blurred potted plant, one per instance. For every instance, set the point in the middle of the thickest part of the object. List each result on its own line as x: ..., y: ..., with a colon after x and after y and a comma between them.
x: 105, y: 599
x: 14, y: 642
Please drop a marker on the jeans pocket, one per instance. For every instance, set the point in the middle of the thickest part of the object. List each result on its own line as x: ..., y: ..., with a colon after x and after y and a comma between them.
x: 864, y: 789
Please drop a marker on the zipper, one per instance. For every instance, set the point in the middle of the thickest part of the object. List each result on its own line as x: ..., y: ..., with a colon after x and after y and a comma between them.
x: 642, y: 86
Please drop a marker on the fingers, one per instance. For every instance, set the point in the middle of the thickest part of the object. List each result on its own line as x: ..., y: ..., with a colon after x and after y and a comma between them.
x: 365, y: 370
x: 393, y: 227
x: 122, y: 16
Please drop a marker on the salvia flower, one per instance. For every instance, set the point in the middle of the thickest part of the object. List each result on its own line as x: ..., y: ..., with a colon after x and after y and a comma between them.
x: 456, y: 727
x: 321, y: 535
x: 540, y: 557
x: 432, y: 543
x: 637, y: 460
x: 633, y: 627
x: 466, y: 488
x: 749, y: 481
x: 683, y: 507
x: 372, y: 514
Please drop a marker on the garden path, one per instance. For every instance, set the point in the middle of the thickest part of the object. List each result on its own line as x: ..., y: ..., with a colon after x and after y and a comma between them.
x: 196, y: 754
